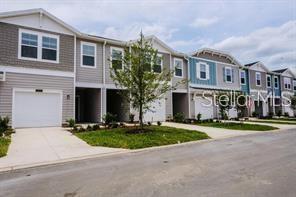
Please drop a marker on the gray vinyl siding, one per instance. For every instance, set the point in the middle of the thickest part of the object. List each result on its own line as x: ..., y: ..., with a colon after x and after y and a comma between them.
x: 183, y: 82
x: 15, y: 80
x: 252, y: 76
x: 168, y: 104
x: 221, y: 83
x: 90, y: 75
x: 9, y: 36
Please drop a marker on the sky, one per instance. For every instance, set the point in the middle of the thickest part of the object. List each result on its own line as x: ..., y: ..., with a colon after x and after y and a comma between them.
x: 250, y: 30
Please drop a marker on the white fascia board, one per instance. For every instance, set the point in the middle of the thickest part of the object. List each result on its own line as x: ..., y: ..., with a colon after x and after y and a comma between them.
x: 212, y: 87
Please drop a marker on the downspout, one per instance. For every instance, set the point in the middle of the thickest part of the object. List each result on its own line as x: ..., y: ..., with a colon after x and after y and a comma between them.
x: 74, y: 78
x: 188, y: 88
x: 103, y: 90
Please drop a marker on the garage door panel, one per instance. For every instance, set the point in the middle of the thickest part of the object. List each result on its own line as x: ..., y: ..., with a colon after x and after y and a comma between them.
x: 33, y: 109
x: 202, y: 106
x: 157, y: 112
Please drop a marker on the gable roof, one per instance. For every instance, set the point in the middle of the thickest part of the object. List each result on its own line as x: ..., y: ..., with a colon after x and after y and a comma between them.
x: 41, y: 12
x: 251, y: 64
x: 285, y: 70
x: 280, y: 70
x: 164, y: 45
x: 218, y: 52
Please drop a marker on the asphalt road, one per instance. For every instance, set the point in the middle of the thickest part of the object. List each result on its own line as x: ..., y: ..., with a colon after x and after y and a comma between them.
x: 254, y: 165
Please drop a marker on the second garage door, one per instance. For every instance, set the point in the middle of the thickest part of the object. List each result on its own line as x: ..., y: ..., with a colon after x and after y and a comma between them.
x: 204, y: 107
x: 37, y: 109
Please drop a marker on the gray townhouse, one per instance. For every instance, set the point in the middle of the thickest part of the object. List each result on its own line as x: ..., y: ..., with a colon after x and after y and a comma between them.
x: 51, y: 72
x: 211, y: 72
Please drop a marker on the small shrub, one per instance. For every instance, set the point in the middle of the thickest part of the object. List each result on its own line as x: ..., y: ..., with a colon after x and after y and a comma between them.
x: 109, y: 118
x: 113, y: 125
x: 96, y: 127
x: 198, y: 117
x: 81, y: 129
x: 89, y: 128
x: 255, y: 114
x: 71, y: 122
x: 3, y: 125
x: 286, y: 114
x: 131, y: 118
x: 121, y: 125
x: 270, y: 114
x: 158, y: 123
x: 279, y: 113
x: 149, y: 123
x: 179, y: 117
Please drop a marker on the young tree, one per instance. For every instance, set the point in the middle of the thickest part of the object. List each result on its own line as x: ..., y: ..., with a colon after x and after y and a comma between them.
x: 139, y: 76
x: 241, y: 101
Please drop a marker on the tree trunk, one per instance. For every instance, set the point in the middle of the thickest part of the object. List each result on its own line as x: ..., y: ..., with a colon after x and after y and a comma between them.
x: 141, y: 117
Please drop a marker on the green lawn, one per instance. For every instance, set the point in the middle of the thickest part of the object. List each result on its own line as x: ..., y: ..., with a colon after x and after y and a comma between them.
x: 4, y: 143
x: 238, y: 126
x: 154, y: 136
x: 273, y: 121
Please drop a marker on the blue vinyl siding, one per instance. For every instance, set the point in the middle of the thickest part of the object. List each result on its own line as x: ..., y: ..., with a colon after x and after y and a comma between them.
x: 212, y: 81
x: 245, y: 88
x: 277, y: 92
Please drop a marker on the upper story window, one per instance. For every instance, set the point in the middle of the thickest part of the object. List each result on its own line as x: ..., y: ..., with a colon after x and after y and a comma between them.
x: 268, y: 81
x: 287, y: 83
x: 294, y: 85
x: 88, y: 55
x: 178, y: 64
x: 116, y: 58
x: 38, y: 46
x: 258, y: 79
x: 158, y: 64
x: 202, y: 71
x: 228, y: 74
x: 243, y: 77
x: 276, y: 82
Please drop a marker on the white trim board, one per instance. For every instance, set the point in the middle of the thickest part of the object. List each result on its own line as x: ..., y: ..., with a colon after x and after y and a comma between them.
x: 212, y: 87
x: 34, y: 71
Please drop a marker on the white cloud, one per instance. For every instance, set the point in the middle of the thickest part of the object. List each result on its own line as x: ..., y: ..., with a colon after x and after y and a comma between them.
x: 132, y: 31
x: 274, y: 46
x: 204, y: 22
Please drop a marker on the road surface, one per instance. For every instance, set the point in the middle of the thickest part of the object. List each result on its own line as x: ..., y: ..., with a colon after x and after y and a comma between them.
x: 255, y: 165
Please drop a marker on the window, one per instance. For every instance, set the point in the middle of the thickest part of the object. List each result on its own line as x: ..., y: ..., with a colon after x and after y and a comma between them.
x: 287, y: 83
x: 158, y: 64
x: 49, y: 48
x: 29, y: 46
x: 276, y: 82
x: 294, y: 85
x: 88, y: 53
x: 38, y: 46
x: 258, y: 79
x: 116, y: 57
x: 178, y: 63
x: 243, y: 77
x: 203, y: 71
x: 228, y: 74
x: 268, y: 81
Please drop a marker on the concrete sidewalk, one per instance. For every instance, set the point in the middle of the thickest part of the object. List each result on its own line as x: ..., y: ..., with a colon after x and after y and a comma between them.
x: 215, y: 133
x: 35, y: 146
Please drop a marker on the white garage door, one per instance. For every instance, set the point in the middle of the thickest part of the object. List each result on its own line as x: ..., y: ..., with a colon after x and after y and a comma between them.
x: 203, y: 106
x: 232, y: 113
x: 157, y: 113
x: 36, y: 109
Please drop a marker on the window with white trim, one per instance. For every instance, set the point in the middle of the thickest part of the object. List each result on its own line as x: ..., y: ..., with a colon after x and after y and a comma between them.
x: 29, y: 45
x: 203, y: 71
x: 157, y: 67
x: 276, y: 82
x: 268, y: 81
x: 228, y: 74
x: 243, y: 77
x: 88, y: 55
x: 38, y: 46
x: 294, y: 85
x: 258, y: 79
x: 178, y: 64
x: 49, y: 48
x: 116, y: 58
x: 287, y: 83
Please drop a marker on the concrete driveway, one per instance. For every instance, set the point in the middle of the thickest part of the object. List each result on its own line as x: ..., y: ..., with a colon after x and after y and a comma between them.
x: 47, y: 145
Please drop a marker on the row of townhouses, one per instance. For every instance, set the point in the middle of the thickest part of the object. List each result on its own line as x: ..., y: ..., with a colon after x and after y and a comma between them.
x: 51, y: 72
